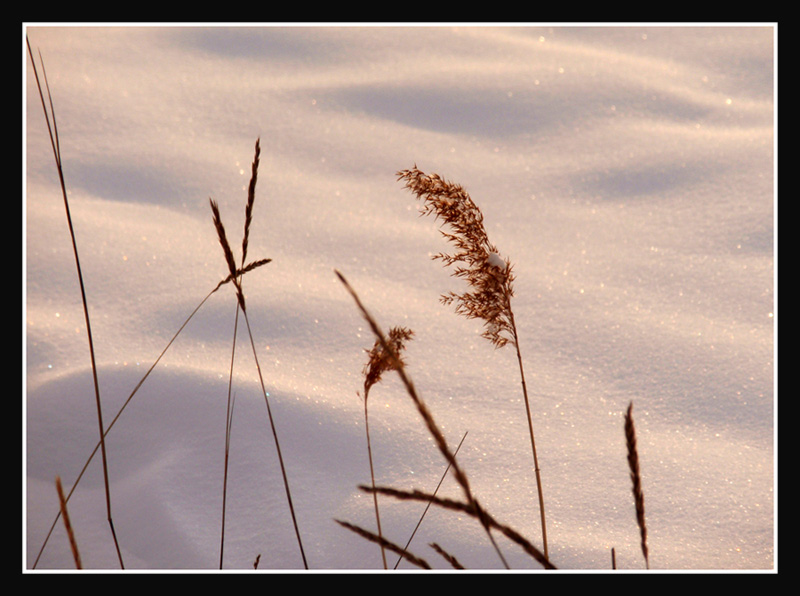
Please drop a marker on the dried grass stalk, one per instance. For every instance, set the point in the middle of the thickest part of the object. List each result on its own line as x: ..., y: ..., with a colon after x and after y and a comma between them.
x: 251, y: 197
x: 426, y: 415
x: 233, y: 277
x: 413, y: 559
x: 56, y: 147
x: 468, y: 508
x: 489, y: 277
x: 454, y: 563
x: 73, y: 543
x: 636, y: 479
x: 379, y: 362
x: 226, y: 249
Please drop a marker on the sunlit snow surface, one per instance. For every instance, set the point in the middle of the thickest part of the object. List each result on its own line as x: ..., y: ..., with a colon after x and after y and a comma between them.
x: 627, y: 172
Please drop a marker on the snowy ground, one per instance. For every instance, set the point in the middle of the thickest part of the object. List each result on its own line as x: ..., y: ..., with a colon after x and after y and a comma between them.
x: 626, y: 171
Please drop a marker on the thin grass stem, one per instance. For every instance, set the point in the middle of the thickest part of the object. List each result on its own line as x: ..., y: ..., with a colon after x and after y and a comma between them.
x: 372, y: 478
x: 56, y: 147
x: 130, y: 398
x: 536, y: 468
x: 228, y: 253
x: 428, y: 505
x: 228, y: 422
x: 378, y: 363
x: 277, y: 444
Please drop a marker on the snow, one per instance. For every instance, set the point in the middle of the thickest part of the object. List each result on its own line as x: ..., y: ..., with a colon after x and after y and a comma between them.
x: 626, y: 171
x: 496, y: 261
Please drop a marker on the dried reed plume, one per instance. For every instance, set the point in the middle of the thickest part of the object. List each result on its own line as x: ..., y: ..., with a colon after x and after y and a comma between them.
x: 636, y: 479
x: 378, y: 363
x: 477, y: 260
x: 489, y: 276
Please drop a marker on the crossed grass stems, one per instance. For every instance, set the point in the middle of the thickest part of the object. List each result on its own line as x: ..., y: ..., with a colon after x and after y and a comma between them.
x: 490, y: 282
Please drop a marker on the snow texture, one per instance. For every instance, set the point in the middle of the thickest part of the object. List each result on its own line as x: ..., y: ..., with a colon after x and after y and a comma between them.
x: 626, y: 171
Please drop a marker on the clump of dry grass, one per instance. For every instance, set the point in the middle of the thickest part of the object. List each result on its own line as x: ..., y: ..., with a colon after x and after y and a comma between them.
x: 471, y: 504
x: 379, y: 362
x: 488, y: 275
x: 129, y: 399
x: 636, y: 480
x: 234, y: 277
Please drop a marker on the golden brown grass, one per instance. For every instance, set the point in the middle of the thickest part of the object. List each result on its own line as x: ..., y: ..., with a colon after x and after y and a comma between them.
x: 471, y: 504
x: 488, y: 275
x: 235, y: 277
x: 489, y: 279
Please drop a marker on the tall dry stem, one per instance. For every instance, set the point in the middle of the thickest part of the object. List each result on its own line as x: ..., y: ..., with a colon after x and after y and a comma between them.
x: 248, y: 218
x: 100, y: 446
x: 233, y: 274
x: 488, y: 275
x: 56, y: 147
x: 379, y: 362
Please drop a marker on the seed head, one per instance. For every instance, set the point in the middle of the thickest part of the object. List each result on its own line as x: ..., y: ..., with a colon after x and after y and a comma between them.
x: 475, y: 259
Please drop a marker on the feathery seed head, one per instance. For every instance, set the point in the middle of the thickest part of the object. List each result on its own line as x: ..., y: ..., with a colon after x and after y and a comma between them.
x: 476, y: 260
x: 380, y: 361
